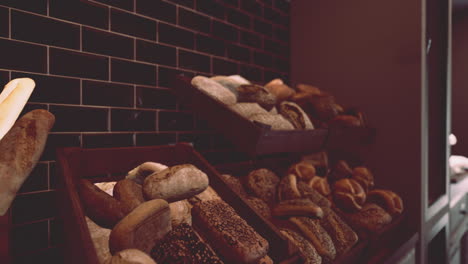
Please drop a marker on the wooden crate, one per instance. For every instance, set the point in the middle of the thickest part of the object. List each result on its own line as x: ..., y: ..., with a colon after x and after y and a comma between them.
x: 107, y: 164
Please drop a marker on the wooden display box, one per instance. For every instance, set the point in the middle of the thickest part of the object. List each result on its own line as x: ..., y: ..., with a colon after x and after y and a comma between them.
x: 258, y: 139
x: 369, y: 249
x: 110, y: 164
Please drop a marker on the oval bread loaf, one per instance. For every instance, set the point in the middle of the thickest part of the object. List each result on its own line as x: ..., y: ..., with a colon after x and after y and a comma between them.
x: 131, y: 256
x: 175, y: 183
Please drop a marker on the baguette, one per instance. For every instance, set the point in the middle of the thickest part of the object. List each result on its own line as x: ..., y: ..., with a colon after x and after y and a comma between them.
x: 12, y: 101
x: 21, y: 149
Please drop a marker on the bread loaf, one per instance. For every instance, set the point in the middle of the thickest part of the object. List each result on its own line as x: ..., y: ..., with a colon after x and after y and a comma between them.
x: 175, y: 183
x: 21, y: 149
x: 303, y: 170
x: 320, y: 184
x: 100, y: 238
x: 182, y: 245
x: 139, y: 173
x: 344, y: 238
x: 294, y: 114
x: 276, y: 122
x: 230, y: 82
x: 297, y: 207
x: 13, y: 98
x: 308, y: 192
x: 214, y: 89
x: 234, y: 183
x: 388, y: 200
x: 131, y: 256
x: 262, y: 183
x: 364, y: 177
x: 181, y: 212
x: 260, y: 206
x: 142, y: 228
x: 287, y: 188
x: 248, y: 109
x: 370, y: 219
x: 349, y: 195
x: 207, y: 195
x: 102, y: 208
x: 129, y: 194
x: 308, y: 252
x: 315, y: 233
x: 228, y: 233
x: 256, y: 94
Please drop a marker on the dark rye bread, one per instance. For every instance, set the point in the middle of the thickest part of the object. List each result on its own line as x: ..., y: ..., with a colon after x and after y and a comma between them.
x: 182, y: 245
x: 342, y: 235
x: 307, y: 251
x: 129, y: 193
x: 228, y: 233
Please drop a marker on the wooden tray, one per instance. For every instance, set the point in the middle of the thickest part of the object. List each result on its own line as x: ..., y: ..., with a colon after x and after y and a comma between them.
x: 247, y: 136
x: 107, y: 164
x: 371, y: 248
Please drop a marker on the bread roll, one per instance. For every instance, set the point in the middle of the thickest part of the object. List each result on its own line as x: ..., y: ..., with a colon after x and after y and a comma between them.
x: 142, y: 227
x: 303, y: 170
x: 262, y: 183
x: 102, y: 208
x: 308, y: 252
x: 344, y: 238
x: 364, y: 177
x: 175, y: 183
x: 214, y: 89
x: 182, y: 245
x: 294, y: 114
x: 21, y: 149
x: 131, y: 256
x: 256, y: 94
x: 324, y: 107
x: 315, y: 233
x: 228, y: 233
x: 388, y: 200
x: 139, y: 173
x: 129, y: 194
x: 100, y: 238
x: 248, y: 109
x: 321, y: 185
x: 13, y: 98
x: 108, y: 187
x: 287, y: 188
x: 276, y: 122
x: 282, y: 92
x: 370, y: 219
x: 341, y: 170
x: 181, y: 212
x: 349, y: 195
x: 297, y: 207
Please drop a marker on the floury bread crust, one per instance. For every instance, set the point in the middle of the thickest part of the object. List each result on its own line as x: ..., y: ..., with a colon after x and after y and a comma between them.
x: 139, y: 173
x: 228, y: 233
x: 175, y: 183
x: 214, y: 89
x: 21, y: 149
x: 248, y: 109
x: 277, y: 122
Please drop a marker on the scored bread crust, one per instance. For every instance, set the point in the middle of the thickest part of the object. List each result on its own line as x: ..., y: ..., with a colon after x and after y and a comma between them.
x: 294, y: 114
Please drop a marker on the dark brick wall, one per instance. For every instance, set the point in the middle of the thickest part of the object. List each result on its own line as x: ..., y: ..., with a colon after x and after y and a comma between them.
x: 103, y: 67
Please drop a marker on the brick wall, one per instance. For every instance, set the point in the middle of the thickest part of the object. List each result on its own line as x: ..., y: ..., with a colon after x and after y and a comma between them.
x: 103, y: 68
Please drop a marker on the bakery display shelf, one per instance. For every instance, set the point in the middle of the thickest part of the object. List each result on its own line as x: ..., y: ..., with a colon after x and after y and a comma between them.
x: 105, y: 164
x: 369, y: 249
x: 247, y: 136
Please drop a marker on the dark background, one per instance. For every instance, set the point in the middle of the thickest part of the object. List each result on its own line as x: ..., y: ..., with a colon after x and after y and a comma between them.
x: 103, y: 68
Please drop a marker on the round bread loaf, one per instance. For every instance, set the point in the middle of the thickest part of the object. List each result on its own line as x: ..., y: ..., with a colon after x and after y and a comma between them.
x: 181, y: 213
x: 131, y: 256
x: 277, y: 122
x: 139, y: 173
x: 175, y: 183
x: 214, y: 89
x: 262, y: 183
x: 142, y: 227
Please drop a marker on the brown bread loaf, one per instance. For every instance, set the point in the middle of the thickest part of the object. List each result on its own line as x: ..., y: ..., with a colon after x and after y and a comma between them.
x: 21, y: 149
x: 260, y: 206
x: 129, y: 194
x: 181, y: 212
x: 256, y: 94
x: 102, y: 208
x: 131, y: 256
x: 262, y: 183
x: 175, y: 183
x: 370, y: 219
x: 308, y: 252
x: 344, y: 238
x: 228, y: 233
x: 364, y: 177
x: 303, y: 170
x: 349, y: 195
x: 388, y: 200
x: 308, y: 192
x: 297, y: 207
x: 141, y: 228
x: 287, y: 188
x: 295, y: 115
x: 139, y: 173
x: 320, y: 184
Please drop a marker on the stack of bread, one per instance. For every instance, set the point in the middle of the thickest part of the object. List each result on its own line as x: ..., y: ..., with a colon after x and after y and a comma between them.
x: 268, y: 105
x: 278, y: 105
x: 323, y: 215
x: 147, y: 218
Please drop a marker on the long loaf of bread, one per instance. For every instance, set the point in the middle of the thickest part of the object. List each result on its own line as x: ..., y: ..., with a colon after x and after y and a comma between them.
x: 21, y: 149
x: 12, y: 100
x: 228, y: 233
